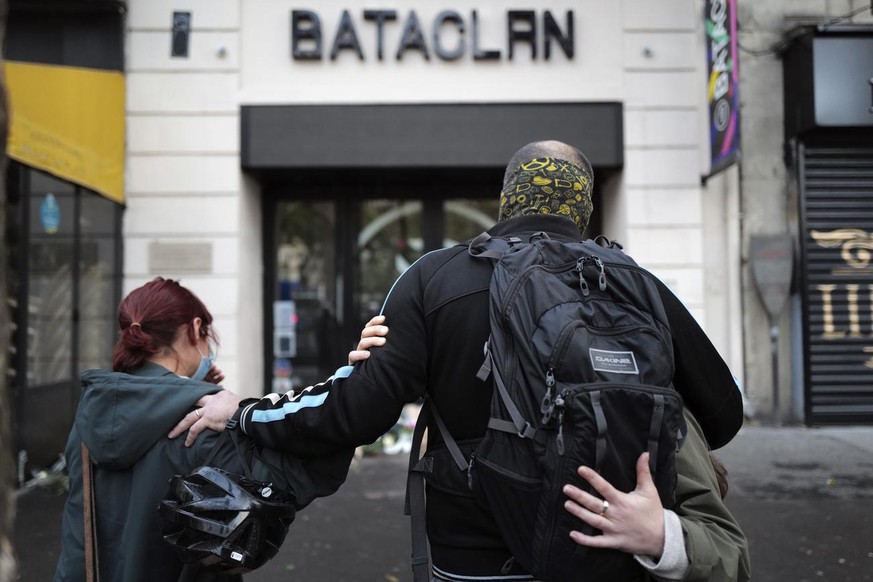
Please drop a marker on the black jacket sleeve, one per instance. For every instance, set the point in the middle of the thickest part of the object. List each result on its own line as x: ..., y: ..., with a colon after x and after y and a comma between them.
x: 357, y: 404
x: 305, y: 479
x: 308, y: 479
x: 702, y: 377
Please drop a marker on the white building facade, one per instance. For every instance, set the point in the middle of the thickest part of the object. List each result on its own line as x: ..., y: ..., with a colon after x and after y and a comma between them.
x: 194, y: 212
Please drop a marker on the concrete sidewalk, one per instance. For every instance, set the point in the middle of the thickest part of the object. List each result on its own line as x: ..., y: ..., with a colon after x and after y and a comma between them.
x: 834, y: 462
x: 802, y: 495
x: 804, y: 498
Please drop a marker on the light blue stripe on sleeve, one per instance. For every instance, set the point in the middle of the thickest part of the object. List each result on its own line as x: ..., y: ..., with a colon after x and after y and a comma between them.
x: 288, y: 408
x: 305, y: 401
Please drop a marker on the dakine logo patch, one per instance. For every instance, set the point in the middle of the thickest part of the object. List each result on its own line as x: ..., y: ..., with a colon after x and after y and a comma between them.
x: 615, y: 362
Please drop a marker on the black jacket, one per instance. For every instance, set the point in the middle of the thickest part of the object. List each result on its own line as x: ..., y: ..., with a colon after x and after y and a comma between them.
x: 437, y: 312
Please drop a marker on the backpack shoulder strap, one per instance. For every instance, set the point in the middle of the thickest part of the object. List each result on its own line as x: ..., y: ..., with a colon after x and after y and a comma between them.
x: 519, y: 425
x: 483, y: 246
x: 418, y: 468
x: 493, y: 247
x: 604, y: 242
x: 414, y: 504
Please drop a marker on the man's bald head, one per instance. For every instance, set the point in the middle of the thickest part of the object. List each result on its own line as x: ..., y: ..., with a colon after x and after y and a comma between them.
x: 546, y: 149
x: 548, y: 177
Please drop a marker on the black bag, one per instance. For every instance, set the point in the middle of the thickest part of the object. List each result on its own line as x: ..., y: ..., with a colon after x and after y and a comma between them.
x: 582, y: 363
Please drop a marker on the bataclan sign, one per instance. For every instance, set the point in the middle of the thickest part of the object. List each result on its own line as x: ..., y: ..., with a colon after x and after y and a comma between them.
x: 450, y: 36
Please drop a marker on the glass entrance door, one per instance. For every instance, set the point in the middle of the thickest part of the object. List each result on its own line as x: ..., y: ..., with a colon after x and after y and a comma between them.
x: 306, y: 312
x: 392, y: 235
x: 334, y: 262
x: 389, y: 239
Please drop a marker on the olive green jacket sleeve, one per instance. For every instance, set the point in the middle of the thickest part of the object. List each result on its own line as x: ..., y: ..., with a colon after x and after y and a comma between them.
x: 716, y: 546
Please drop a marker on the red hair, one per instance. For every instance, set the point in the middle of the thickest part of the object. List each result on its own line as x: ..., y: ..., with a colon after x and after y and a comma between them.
x: 149, y: 318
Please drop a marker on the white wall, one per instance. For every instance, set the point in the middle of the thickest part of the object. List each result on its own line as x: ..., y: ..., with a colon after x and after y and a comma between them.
x: 184, y: 185
x: 663, y: 76
x: 270, y: 75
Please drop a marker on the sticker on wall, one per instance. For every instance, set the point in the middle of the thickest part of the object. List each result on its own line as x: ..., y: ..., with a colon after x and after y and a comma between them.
x: 50, y: 214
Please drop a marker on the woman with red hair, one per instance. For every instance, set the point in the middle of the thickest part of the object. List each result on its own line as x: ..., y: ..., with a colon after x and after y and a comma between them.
x: 162, y: 365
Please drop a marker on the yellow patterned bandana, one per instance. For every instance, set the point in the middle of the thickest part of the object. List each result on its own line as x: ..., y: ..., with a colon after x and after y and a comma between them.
x: 549, y: 186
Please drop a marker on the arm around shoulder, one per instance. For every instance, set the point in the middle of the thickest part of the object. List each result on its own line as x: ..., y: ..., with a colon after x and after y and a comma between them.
x: 716, y: 545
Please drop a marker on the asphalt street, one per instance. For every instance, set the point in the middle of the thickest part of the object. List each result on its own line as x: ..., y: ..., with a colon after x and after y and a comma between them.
x: 804, y: 497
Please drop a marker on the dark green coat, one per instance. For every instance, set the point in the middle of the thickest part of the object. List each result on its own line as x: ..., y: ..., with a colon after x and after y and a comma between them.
x: 124, y: 419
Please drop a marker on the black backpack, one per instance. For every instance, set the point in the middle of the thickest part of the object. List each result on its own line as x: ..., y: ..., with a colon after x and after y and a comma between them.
x: 582, y: 363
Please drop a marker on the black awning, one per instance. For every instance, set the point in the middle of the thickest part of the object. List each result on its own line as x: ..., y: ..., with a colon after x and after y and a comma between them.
x: 423, y: 135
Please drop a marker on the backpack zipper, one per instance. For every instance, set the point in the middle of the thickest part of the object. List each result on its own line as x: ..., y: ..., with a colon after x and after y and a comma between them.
x: 601, y: 273
x: 470, y: 471
x: 554, y: 496
x: 559, y: 404
x: 579, y: 266
x: 547, y: 406
x: 601, y: 276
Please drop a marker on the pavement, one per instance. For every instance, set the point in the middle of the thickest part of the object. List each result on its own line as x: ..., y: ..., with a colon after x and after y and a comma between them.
x: 804, y: 497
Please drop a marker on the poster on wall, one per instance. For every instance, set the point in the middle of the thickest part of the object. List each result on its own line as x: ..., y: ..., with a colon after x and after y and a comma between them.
x: 722, y: 91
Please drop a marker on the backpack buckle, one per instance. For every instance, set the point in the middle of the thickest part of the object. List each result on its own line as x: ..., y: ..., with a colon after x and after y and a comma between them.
x: 527, y: 432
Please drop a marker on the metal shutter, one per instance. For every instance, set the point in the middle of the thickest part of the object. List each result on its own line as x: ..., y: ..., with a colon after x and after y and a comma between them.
x: 836, y: 198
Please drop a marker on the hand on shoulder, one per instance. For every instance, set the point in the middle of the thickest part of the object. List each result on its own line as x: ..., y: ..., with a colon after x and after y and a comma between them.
x: 212, y: 412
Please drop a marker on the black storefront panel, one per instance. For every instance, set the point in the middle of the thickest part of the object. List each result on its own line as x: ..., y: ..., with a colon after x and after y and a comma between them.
x: 828, y: 75
x: 448, y: 135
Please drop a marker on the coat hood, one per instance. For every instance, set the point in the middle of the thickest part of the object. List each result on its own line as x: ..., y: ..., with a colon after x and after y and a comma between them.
x: 121, y: 416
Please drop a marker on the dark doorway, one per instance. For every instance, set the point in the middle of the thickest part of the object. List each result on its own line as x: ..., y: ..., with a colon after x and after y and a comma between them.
x: 334, y: 246
x: 334, y: 243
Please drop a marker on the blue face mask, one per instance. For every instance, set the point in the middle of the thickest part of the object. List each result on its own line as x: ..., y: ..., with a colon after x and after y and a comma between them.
x: 205, y: 365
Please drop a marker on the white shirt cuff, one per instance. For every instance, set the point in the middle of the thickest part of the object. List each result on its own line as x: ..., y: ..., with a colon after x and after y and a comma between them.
x: 673, y: 564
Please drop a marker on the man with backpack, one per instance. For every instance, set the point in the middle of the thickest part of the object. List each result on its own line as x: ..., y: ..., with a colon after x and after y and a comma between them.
x: 624, y: 525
